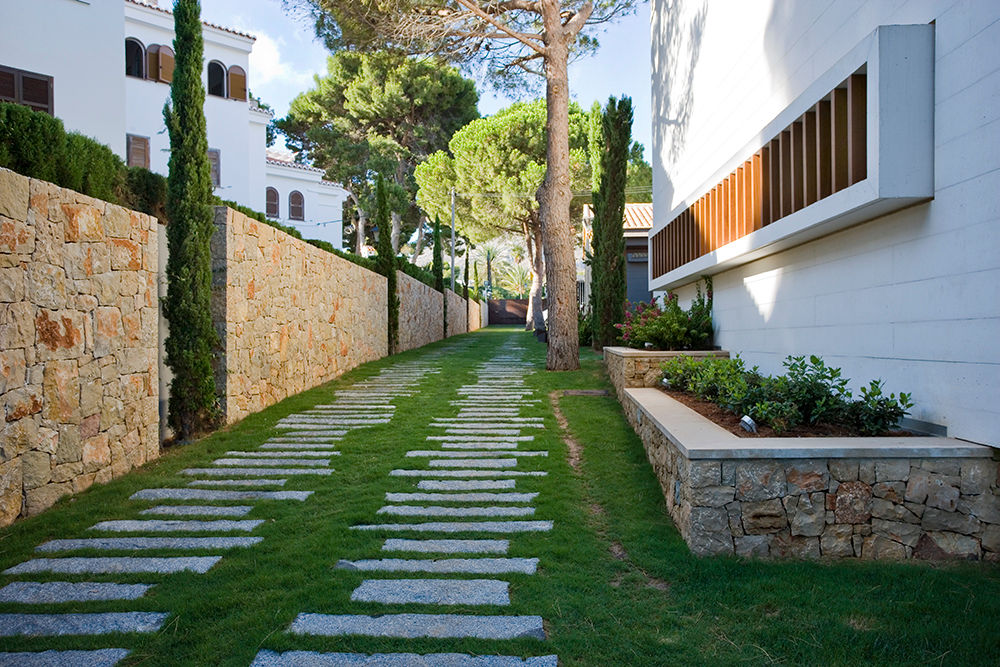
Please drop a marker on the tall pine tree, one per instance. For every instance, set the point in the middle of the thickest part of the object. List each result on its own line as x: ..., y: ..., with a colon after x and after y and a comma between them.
x: 437, y: 268
x: 385, y: 261
x: 608, y: 264
x: 193, y: 406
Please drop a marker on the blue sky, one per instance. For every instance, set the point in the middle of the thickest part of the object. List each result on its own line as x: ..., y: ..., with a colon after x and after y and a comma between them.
x: 286, y: 56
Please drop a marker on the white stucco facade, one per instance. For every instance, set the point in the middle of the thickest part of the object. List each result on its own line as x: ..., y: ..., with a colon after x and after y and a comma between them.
x: 324, y: 201
x: 912, y: 296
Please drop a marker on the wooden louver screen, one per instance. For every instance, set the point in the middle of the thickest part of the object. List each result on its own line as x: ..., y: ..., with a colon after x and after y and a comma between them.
x: 822, y: 152
x: 237, y: 83
x: 159, y: 63
x: 27, y: 88
x: 137, y: 151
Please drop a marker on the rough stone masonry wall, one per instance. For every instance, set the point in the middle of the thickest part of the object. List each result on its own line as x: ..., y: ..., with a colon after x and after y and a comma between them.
x: 628, y: 367
x: 421, y: 312
x: 895, y: 508
x: 78, y: 343
x: 290, y: 316
x: 475, y: 315
x: 458, y: 313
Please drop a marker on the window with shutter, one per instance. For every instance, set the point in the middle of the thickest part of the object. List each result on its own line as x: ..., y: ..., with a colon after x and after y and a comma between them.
x: 135, y: 56
x: 166, y: 64
x: 136, y: 151
x: 8, y: 85
x: 216, y: 79
x: 237, y: 83
x: 27, y: 88
x: 152, y: 61
x: 296, y: 206
x: 214, y: 160
x: 272, y: 203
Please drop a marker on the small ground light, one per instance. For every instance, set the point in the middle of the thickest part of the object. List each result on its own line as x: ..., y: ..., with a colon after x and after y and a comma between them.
x: 748, y: 424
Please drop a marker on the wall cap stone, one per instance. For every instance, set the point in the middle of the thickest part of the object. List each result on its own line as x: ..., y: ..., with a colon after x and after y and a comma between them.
x: 699, y: 438
x: 662, y: 354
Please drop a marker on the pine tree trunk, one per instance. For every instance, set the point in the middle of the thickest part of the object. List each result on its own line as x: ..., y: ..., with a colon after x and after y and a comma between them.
x: 420, y: 239
x: 362, y: 226
x: 533, y: 240
x: 397, y: 225
x: 554, y: 198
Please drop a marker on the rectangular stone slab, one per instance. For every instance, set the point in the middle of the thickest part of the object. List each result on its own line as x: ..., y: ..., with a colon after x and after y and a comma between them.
x: 468, y: 473
x: 238, y: 482
x: 304, y: 451
x: 463, y: 485
x: 303, y: 463
x: 102, y: 657
x: 49, y: 625
x: 199, y: 510
x: 461, y: 527
x: 444, y: 565
x: 476, y: 438
x: 433, y: 591
x: 441, y: 626
x: 508, y: 446
x: 213, y: 494
x: 461, y: 497
x: 137, y: 543
x: 329, y: 450
x: 51, y: 592
x: 168, y: 526
x: 436, y: 510
x: 447, y: 546
x: 472, y: 463
x: 257, y: 472
x: 199, y: 564
x: 418, y: 453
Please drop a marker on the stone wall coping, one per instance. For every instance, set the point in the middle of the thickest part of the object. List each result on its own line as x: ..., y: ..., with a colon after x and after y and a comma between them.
x: 662, y: 354
x: 699, y: 438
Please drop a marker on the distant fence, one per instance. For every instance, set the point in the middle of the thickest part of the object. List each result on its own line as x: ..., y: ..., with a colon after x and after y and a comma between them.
x: 508, y: 311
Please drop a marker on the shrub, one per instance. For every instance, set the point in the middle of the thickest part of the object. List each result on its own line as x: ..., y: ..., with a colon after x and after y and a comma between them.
x: 670, y: 328
x: 583, y: 327
x: 32, y: 143
x: 876, y: 413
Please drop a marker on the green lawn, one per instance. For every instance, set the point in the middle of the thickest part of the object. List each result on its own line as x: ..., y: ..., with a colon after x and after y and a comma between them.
x: 616, y: 584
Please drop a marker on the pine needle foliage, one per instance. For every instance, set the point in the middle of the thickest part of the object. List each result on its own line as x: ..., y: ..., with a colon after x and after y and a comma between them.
x: 385, y: 261
x: 193, y: 406
x: 608, y: 291
x: 437, y: 268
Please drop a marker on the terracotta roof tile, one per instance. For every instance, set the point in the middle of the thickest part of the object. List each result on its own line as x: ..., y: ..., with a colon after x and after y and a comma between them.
x: 140, y: 3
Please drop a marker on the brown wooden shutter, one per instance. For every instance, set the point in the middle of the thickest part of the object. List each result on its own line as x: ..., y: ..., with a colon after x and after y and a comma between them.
x: 8, y: 85
x: 272, y: 203
x: 166, y: 64
x: 137, y: 151
x: 214, y: 158
x: 36, y: 92
x: 296, y: 206
x: 153, y: 62
x: 237, y: 83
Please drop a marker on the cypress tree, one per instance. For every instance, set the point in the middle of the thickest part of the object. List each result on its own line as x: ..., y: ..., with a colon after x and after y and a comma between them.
x: 193, y: 406
x: 385, y: 261
x: 437, y: 268
x: 465, y: 274
x: 608, y: 288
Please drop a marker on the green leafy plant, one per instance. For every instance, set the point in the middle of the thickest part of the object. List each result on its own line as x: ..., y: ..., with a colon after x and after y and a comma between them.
x: 670, y: 327
x: 876, y: 413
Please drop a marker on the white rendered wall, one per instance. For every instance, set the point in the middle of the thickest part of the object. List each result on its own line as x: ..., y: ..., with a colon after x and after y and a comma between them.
x: 80, y: 45
x: 912, y: 297
x: 323, y: 203
x: 227, y: 121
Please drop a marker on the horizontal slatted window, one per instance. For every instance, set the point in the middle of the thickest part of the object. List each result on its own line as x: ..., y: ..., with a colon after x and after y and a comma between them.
x: 137, y: 151
x: 215, y: 167
x: 237, y: 83
x: 27, y: 88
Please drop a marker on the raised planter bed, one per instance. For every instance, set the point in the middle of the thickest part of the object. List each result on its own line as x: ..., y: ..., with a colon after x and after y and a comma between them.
x: 629, y: 367
x: 885, y: 498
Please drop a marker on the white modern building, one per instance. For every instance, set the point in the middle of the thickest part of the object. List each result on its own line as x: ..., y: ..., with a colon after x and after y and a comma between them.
x: 105, y: 69
x: 834, y: 165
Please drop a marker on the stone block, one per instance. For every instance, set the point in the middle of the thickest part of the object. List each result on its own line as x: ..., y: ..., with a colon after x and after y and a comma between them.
x: 17, y: 437
x: 750, y: 546
x: 22, y: 402
x: 710, y: 544
x: 891, y: 491
x: 877, y: 547
x: 126, y: 255
x: 107, y: 330
x: 762, y: 517
x: 17, y: 326
x: 712, y: 496
x: 807, y: 477
x: 117, y: 221
x: 785, y: 545
x: 947, y: 546
x: 735, y: 514
x: 708, y: 520
x: 843, y: 470
x: 61, y: 391
x: 10, y: 486
x: 939, y: 520
x: 986, y: 507
x: 47, y: 286
x: 96, y: 453
x: 42, y: 498
x: 866, y: 471
x: 704, y: 473
x: 12, y: 284
x: 853, y: 503
x: 13, y: 370
x: 67, y: 472
x: 36, y: 469
x: 977, y: 475
x: 60, y: 334
x: 760, y: 480
x: 904, y: 533
x: 892, y: 470
x: 806, y: 514
x: 889, y: 511
x: 947, y: 467
x: 82, y: 223
x: 16, y: 237
x: 932, y: 489
x: 70, y: 447
x: 836, y: 541
x: 990, y: 538
x: 13, y: 195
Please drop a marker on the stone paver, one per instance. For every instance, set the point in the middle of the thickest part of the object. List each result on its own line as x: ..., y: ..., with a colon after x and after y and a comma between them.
x: 138, y: 543
x: 433, y: 591
x: 12, y: 625
x: 199, y: 510
x: 461, y: 497
x: 476, y: 438
x: 33, y: 592
x: 444, y: 565
x: 312, y: 659
x: 447, y: 546
x: 237, y: 482
x: 473, y: 463
x: 439, y: 626
x: 109, y: 565
x: 462, y: 526
x: 465, y: 485
x: 437, y: 510
x: 426, y: 453
x: 211, y: 494
x: 167, y: 526
x: 468, y: 473
x: 104, y: 657
x: 258, y: 472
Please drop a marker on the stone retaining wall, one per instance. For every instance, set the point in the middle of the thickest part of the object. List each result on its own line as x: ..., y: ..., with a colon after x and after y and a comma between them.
x: 458, y: 313
x: 421, y: 312
x: 290, y: 316
x: 475, y: 315
x: 852, y: 507
x: 629, y: 367
x: 78, y: 343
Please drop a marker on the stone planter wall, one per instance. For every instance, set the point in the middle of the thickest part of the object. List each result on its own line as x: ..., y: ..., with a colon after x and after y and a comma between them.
x: 628, y: 367
x: 78, y: 343
x: 458, y: 313
x: 290, y: 316
x: 421, y: 312
x: 933, y: 506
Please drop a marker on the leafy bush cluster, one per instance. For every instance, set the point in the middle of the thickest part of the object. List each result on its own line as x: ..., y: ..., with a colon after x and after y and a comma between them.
x: 670, y: 327
x: 810, y: 392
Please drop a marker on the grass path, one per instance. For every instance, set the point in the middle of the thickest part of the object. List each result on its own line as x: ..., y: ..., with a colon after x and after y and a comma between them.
x: 615, y: 585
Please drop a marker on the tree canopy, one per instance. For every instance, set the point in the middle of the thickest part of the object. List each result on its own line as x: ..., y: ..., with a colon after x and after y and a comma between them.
x: 382, y: 113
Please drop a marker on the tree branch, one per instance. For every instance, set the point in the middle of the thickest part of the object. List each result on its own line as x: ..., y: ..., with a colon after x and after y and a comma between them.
x: 524, y: 39
x: 575, y: 22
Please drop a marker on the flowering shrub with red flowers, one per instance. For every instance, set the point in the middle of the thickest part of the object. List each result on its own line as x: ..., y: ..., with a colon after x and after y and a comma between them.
x: 670, y: 327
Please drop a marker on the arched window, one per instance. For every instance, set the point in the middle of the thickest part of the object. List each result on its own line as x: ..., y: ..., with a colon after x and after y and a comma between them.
x: 272, y: 203
x: 135, y: 56
x: 296, y: 206
x: 216, y: 79
x: 159, y: 63
x: 237, y: 83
